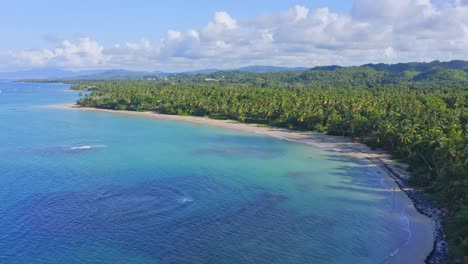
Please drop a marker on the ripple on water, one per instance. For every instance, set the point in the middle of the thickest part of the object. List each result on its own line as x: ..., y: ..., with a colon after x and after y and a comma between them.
x: 62, y: 150
x: 164, y: 222
x: 304, y: 181
x: 155, y: 220
x: 102, y: 209
x: 241, y: 152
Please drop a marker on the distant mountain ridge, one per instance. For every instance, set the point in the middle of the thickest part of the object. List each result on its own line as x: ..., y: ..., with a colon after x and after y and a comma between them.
x: 420, y: 66
x: 443, y: 69
x: 117, y: 74
x: 263, y: 69
x: 44, y: 73
x: 121, y: 74
x: 453, y: 74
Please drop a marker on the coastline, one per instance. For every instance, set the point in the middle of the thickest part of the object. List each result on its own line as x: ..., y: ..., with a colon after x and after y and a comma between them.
x: 424, y: 245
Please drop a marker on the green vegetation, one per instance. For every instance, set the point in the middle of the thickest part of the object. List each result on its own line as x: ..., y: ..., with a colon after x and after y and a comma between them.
x: 453, y: 74
x: 418, y: 112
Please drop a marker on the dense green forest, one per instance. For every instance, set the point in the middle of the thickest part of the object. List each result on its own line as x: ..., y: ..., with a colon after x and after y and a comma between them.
x: 361, y: 77
x: 418, y: 112
x: 453, y: 75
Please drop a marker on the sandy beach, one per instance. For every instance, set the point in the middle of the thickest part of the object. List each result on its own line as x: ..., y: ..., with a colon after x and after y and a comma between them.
x: 425, y: 232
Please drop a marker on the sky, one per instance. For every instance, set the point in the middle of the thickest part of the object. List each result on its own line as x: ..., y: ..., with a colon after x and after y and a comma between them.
x: 182, y: 35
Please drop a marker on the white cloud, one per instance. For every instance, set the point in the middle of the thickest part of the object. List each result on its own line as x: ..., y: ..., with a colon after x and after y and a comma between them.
x: 299, y: 13
x: 222, y: 25
x: 390, y: 53
x: 85, y: 53
x: 391, y: 9
x: 223, y: 18
x: 373, y: 31
x: 173, y: 35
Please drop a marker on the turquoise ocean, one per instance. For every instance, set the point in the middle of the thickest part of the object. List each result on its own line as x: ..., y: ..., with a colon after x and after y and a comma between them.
x: 93, y: 187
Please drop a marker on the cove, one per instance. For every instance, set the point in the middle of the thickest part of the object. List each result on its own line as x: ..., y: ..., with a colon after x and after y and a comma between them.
x: 95, y: 187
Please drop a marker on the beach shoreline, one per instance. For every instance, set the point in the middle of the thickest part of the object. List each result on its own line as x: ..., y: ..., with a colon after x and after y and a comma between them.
x: 425, y: 244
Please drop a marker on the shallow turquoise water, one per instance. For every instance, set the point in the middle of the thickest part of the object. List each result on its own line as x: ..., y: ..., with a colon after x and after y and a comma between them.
x: 87, y: 187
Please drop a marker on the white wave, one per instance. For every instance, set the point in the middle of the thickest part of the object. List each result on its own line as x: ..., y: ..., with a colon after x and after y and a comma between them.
x: 395, y: 252
x: 185, y: 200
x: 88, y: 147
x: 405, y: 223
x: 81, y: 147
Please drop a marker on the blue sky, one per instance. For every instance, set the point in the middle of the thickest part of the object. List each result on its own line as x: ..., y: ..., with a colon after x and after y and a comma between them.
x: 181, y: 35
x: 31, y: 23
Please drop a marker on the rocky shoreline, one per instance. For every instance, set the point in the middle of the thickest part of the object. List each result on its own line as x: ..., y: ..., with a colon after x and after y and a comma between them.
x: 439, y: 251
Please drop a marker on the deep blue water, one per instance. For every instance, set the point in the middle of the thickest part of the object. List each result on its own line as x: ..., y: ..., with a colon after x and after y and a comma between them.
x: 89, y: 187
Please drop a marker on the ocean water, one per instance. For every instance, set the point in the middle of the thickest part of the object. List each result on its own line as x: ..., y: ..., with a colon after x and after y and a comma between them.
x: 89, y: 187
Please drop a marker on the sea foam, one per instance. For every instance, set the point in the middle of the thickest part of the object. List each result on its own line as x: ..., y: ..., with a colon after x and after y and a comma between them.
x: 185, y: 200
x: 81, y: 147
x: 88, y: 147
